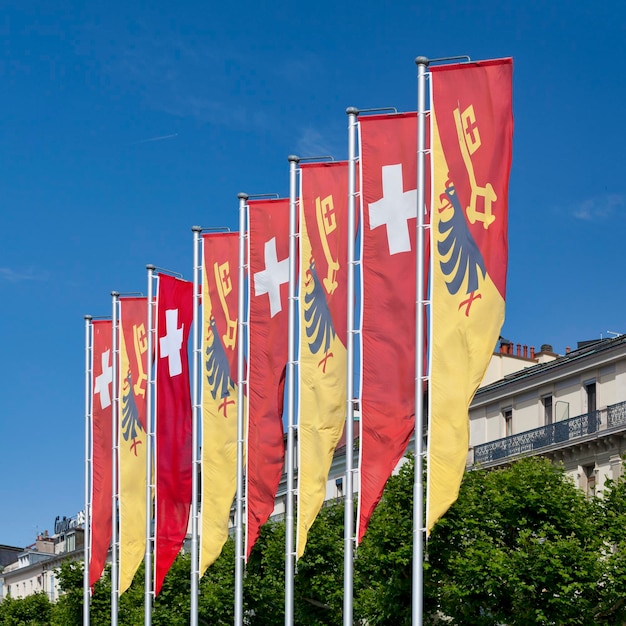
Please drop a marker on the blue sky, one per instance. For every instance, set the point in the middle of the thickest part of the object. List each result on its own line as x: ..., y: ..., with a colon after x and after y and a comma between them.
x: 124, y: 124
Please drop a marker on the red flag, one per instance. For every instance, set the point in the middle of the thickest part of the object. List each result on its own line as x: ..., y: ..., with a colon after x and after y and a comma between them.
x: 101, y: 429
x: 268, y: 322
x: 389, y: 174
x: 173, y: 448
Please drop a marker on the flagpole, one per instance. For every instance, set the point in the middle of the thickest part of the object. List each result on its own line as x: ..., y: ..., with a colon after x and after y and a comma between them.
x: 418, y: 483
x: 291, y: 357
x: 88, y: 417
x: 114, y: 418
x: 149, y: 439
x: 348, y: 497
x: 239, y: 547
x: 197, y: 415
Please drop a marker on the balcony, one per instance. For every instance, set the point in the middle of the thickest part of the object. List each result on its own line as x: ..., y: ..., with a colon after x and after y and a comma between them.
x: 557, y: 434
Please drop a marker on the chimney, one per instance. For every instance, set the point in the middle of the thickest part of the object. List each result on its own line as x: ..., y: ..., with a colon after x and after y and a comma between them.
x: 519, y: 349
x: 525, y: 352
x: 567, y: 349
x: 532, y: 352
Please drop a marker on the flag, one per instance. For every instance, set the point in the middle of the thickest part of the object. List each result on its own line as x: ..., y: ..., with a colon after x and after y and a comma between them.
x: 389, y: 184
x: 220, y: 291
x: 472, y: 129
x: 268, y: 322
x: 101, y: 448
x: 323, y: 322
x: 133, y: 385
x: 173, y: 449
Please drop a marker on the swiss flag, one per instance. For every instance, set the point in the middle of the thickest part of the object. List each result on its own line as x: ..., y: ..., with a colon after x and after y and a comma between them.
x: 102, y: 437
x: 389, y: 192
x: 173, y: 448
x: 268, y: 322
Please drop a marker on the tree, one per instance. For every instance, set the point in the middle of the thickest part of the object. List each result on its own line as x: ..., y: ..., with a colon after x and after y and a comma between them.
x: 33, y: 610
x: 522, y: 545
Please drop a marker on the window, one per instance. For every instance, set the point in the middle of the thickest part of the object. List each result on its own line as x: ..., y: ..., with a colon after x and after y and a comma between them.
x: 508, y: 422
x: 590, y: 390
x: 547, y: 410
x: 589, y: 478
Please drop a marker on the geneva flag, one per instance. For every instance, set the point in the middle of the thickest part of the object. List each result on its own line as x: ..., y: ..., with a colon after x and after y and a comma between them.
x: 133, y: 384
x: 173, y: 422
x: 220, y: 289
x: 101, y: 448
x: 472, y: 129
x: 323, y: 321
x: 268, y: 322
x: 389, y: 184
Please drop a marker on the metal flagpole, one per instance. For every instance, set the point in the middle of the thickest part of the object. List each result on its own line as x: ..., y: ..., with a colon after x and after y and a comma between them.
x: 348, y: 498
x: 114, y: 418
x: 419, y: 529
x: 289, y: 518
x: 241, y: 381
x: 197, y: 415
x: 149, y: 438
x: 88, y: 405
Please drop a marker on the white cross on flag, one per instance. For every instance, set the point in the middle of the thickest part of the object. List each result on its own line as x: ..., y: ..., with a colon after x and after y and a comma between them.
x: 272, y: 277
x: 173, y: 421
x: 104, y: 379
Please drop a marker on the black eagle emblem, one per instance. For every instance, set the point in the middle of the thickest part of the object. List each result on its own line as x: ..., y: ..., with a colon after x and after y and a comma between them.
x: 466, y: 259
x: 130, y: 413
x: 318, y: 320
x: 217, y: 366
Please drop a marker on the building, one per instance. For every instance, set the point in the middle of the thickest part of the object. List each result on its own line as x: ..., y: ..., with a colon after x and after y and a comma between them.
x: 569, y: 408
x: 35, y: 568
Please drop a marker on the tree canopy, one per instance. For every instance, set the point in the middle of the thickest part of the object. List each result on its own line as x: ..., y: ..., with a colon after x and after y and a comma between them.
x: 522, y: 545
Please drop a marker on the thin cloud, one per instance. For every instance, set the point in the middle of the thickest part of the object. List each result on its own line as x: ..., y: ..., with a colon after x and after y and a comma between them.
x: 313, y: 144
x: 14, y: 276
x: 600, y: 207
x: 151, y: 139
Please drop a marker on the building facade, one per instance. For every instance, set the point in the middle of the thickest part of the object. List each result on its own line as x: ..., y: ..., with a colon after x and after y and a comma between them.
x: 569, y: 408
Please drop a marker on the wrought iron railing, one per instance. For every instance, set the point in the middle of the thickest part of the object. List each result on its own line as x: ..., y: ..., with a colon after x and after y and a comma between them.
x: 616, y: 415
x: 530, y: 440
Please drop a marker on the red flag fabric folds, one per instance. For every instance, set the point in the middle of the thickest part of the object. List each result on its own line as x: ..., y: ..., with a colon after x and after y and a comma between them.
x: 173, y: 448
x: 102, y: 438
x: 268, y: 322
x: 389, y: 184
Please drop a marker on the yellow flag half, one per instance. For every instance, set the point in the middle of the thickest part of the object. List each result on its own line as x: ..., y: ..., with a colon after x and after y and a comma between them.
x: 323, y: 321
x: 132, y: 436
x: 219, y: 391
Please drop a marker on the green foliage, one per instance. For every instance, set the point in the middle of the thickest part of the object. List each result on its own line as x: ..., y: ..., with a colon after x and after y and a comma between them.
x: 521, y: 546
x: 33, y: 610
x: 383, y: 565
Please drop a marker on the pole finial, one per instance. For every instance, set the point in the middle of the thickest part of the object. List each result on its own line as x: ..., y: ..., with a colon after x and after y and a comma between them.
x: 292, y: 158
x: 196, y: 229
x: 115, y: 294
x: 352, y: 111
x: 88, y: 317
x: 242, y: 196
x: 422, y: 61
x: 150, y: 267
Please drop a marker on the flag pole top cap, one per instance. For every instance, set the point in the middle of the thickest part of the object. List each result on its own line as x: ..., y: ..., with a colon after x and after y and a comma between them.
x: 150, y: 266
x: 422, y: 61
x: 196, y: 229
x: 115, y: 294
x: 242, y: 196
x: 292, y: 158
x: 352, y: 111
x: 88, y: 317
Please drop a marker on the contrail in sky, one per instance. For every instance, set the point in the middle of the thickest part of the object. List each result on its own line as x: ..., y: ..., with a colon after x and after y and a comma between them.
x: 160, y: 138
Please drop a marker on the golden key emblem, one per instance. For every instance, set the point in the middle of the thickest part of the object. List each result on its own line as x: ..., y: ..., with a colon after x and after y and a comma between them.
x: 326, y: 224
